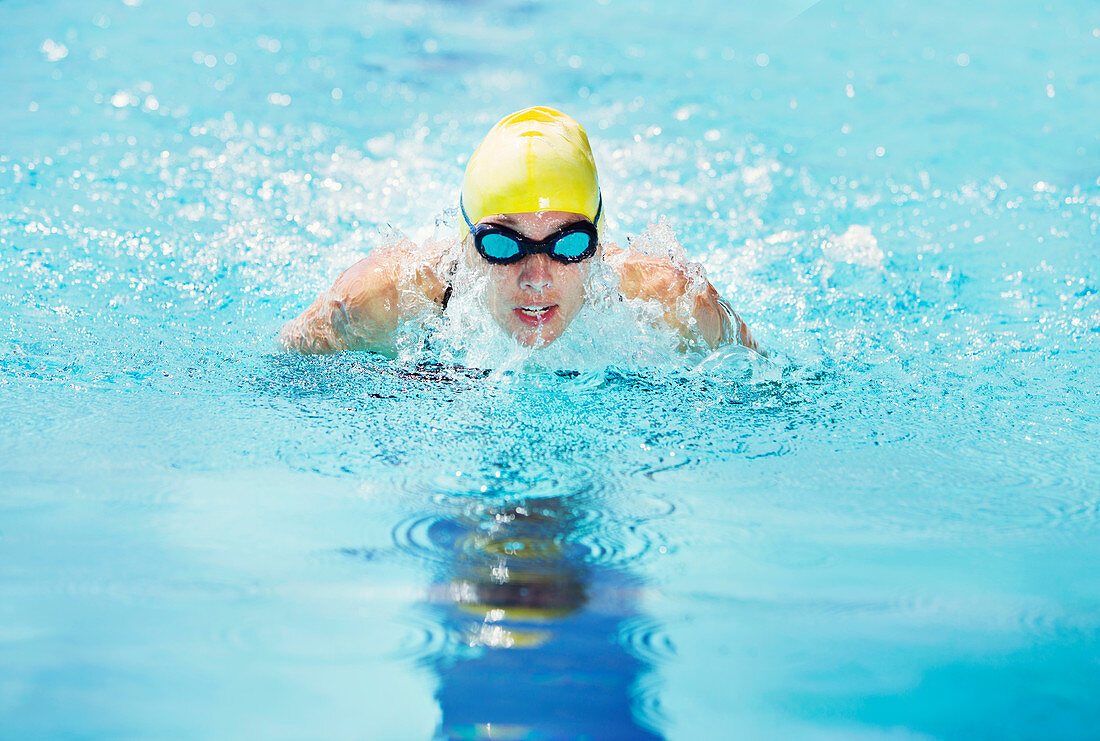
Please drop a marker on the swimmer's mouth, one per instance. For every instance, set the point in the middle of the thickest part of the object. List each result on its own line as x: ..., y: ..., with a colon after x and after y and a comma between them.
x: 533, y: 316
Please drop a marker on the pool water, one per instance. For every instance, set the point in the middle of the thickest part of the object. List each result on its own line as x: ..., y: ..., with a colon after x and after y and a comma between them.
x: 888, y: 529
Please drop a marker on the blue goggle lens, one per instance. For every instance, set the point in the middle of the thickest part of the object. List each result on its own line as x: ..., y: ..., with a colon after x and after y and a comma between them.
x: 500, y: 247
x: 572, y: 245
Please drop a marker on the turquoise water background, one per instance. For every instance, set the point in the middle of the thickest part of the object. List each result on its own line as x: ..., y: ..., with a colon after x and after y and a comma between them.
x: 889, y: 531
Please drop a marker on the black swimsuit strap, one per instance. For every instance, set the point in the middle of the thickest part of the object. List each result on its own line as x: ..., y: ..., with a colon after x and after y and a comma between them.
x: 450, y: 287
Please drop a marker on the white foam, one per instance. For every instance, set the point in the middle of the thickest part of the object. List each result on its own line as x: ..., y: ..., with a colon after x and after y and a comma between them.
x: 608, y: 332
x: 856, y: 246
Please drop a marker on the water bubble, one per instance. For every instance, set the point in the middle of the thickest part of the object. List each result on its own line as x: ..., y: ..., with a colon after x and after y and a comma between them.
x: 123, y: 99
x: 54, y: 50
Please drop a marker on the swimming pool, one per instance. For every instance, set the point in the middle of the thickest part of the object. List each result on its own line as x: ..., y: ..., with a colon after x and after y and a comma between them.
x: 888, y: 530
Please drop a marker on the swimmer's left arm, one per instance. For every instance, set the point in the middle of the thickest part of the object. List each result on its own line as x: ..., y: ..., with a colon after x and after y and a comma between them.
x: 655, y: 278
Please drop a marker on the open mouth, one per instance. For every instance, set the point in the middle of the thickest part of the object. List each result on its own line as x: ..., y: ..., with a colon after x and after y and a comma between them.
x: 533, y: 316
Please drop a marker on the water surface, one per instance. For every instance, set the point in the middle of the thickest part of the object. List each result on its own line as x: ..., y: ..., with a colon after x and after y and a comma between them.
x: 889, y: 530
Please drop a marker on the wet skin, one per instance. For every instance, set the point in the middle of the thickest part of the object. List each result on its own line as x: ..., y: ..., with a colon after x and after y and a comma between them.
x: 535, y: 298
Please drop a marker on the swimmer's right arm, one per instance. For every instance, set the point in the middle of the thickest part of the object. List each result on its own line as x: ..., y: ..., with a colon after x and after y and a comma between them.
x: 369, y: 300
x: 359, y: 312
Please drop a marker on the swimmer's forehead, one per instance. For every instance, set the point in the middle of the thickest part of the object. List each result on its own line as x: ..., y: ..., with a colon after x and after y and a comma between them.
x: 527, y: 217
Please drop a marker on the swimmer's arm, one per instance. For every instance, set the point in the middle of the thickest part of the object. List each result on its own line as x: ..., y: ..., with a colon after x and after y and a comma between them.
x: 654, y: 278
x: 359, y: 312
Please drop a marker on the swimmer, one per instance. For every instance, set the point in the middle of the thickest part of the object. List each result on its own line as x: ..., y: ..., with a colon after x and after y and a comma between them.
x: 532, y: 209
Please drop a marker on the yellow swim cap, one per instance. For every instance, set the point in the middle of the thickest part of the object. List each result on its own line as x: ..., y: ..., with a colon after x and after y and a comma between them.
x: 537, y: 159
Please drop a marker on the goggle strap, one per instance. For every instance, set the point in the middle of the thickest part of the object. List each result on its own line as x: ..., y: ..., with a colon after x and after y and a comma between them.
x: 462, y: 208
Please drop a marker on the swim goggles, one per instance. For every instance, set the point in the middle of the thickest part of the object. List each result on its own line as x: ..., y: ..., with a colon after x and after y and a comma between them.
x: 500, y: 245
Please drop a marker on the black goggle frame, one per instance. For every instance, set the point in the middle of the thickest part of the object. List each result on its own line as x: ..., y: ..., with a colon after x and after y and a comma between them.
x: 531, y: 247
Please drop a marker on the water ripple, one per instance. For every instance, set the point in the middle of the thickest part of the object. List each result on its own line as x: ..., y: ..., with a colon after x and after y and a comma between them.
x: 612, y: 544
x: 647, y: 639
x: 649, y: 712
x: 422, y: 639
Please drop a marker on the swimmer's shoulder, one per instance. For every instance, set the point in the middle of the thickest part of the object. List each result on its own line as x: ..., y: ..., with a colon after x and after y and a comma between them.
x: 404, y: 270
x: 368, y: 300
x: 428, y: 270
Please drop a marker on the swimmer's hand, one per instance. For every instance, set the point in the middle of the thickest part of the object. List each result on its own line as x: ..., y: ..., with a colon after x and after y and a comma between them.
x: 691, y: 304
x: 366, y: 303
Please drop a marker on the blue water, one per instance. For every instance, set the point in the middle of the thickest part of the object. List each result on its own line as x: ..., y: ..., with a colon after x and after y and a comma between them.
x: 888, y: 530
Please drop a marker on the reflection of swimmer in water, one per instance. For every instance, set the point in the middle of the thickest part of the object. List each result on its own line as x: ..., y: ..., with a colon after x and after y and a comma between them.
x: 532, y: 207
x: 535, y: 626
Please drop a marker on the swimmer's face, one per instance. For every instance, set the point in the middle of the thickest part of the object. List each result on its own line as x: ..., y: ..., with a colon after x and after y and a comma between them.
x: 535, y: 298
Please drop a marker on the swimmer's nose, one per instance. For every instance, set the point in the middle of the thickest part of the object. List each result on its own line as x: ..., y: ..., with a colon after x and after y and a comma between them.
x: 535, y: 272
